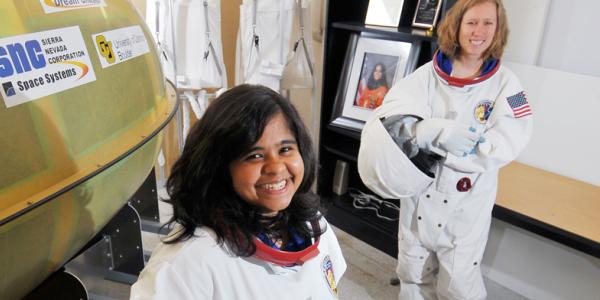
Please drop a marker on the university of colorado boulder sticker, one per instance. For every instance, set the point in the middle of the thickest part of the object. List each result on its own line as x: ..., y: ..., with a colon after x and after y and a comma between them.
x: 120, y: 45
x: 327, y: 268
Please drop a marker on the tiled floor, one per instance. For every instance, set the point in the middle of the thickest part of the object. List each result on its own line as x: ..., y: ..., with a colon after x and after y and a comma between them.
x: 369, y: 271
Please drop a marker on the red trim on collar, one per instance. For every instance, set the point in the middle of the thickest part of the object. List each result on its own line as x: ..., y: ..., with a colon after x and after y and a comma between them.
x: 285, y: 258
x: 461, y: 82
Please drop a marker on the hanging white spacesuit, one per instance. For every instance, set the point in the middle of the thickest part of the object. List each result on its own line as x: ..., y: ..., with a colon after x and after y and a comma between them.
x: 273, y: 48
x: 196, y: 25
x: 188, y: 36
x: 198, y: 44
x: 446, y: 195
x: 263, y: 41
x: 298, y: 71
x: 158, y: 19
x: 193, y: 29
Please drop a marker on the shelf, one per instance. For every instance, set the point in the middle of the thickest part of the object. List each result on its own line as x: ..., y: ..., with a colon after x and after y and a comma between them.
x: 346, y: 127
x: 341, y: 153
x: 345, y: 202
x: 363, y: 224
x: 340, y: 135
x: 401, y: 33
x: 554, y: 206
x: 548, y: 231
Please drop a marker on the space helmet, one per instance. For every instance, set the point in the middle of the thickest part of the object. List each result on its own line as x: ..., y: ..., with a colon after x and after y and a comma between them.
x: 384, y: 167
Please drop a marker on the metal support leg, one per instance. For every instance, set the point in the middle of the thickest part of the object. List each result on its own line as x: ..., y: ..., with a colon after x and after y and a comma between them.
x: 118, y: 255
x: 145, y: 200
x: 124, y: 238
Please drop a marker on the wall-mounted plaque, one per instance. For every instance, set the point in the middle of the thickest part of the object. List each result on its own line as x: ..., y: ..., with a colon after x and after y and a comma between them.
x: 426, y: 14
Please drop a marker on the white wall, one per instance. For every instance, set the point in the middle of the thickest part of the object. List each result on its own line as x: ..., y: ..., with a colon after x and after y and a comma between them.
x: 526, y: 21
x: 571, y: 38
x: 552, y: 50
x: 555, y: 34
x: 565, y: 107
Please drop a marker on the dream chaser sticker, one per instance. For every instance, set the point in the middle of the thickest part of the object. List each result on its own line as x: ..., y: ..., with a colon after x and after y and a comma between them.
x: 52, y: 6
x: 119, y: 45
x: 39, y: 64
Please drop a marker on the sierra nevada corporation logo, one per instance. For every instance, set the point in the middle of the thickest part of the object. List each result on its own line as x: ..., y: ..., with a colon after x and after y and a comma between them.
x: 8, y: 88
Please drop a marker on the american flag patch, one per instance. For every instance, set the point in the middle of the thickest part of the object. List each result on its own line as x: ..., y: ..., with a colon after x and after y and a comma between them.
x: 519, y: 105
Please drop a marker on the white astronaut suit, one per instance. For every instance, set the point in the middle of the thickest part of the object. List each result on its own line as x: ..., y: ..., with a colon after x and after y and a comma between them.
x: 446, y: 198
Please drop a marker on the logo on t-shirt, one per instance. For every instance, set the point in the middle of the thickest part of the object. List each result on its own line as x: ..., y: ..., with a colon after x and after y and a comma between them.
x: 327, y: 268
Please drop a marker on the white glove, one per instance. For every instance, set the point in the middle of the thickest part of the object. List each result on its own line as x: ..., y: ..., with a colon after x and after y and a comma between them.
x: 447, y: 135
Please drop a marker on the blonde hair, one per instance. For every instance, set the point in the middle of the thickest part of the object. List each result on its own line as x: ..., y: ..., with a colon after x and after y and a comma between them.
x: 448, y: 31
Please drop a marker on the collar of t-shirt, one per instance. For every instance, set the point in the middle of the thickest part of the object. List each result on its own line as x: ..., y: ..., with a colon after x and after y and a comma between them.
x: 446, y: 64
x: 295, y: 243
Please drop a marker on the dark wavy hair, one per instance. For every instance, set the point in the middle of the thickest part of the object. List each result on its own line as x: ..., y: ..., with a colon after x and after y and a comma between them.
x: 372, y: 83
x: 200, y: 185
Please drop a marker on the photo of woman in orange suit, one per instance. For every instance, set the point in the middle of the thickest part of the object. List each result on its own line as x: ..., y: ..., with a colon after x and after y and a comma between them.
x: 374, y: 85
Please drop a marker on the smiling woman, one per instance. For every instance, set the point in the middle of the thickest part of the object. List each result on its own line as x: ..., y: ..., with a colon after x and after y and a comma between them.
x: 449, y: 126
x: 244, y: 214
x: 475, y: 37
x: 269, y: 176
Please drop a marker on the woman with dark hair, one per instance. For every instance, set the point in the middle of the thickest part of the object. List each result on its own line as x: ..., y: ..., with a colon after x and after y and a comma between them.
x: 372, y: 94
x: 246, y: 224
x: 438, y: 142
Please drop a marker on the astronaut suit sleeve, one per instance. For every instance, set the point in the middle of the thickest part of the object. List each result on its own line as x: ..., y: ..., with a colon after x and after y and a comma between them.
x: 506, y: 134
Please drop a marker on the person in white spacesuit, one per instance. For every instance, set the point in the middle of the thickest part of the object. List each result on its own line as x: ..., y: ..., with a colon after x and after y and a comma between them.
x: 246, y: 224
x: 437, y: 143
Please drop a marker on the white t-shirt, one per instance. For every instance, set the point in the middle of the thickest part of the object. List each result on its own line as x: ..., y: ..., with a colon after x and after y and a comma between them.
x: 200, y: 269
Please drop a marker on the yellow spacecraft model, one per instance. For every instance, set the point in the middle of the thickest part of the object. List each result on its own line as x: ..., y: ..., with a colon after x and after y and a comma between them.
x: 82, y: 104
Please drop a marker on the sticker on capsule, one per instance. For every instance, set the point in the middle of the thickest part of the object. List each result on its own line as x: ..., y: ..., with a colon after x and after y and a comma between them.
x: 119, y: 45
x: 39, y: 64
x: 53, y: 6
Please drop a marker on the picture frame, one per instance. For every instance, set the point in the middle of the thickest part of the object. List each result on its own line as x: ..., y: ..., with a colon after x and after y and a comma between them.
x: 361, y: 90
x: 384, y: 13
x: 427, y: 13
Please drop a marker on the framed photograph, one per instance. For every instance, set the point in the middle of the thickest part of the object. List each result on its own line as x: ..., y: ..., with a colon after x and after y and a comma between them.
x: 371, y: 68
x: 384, y: 12
x: 426, y: 14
